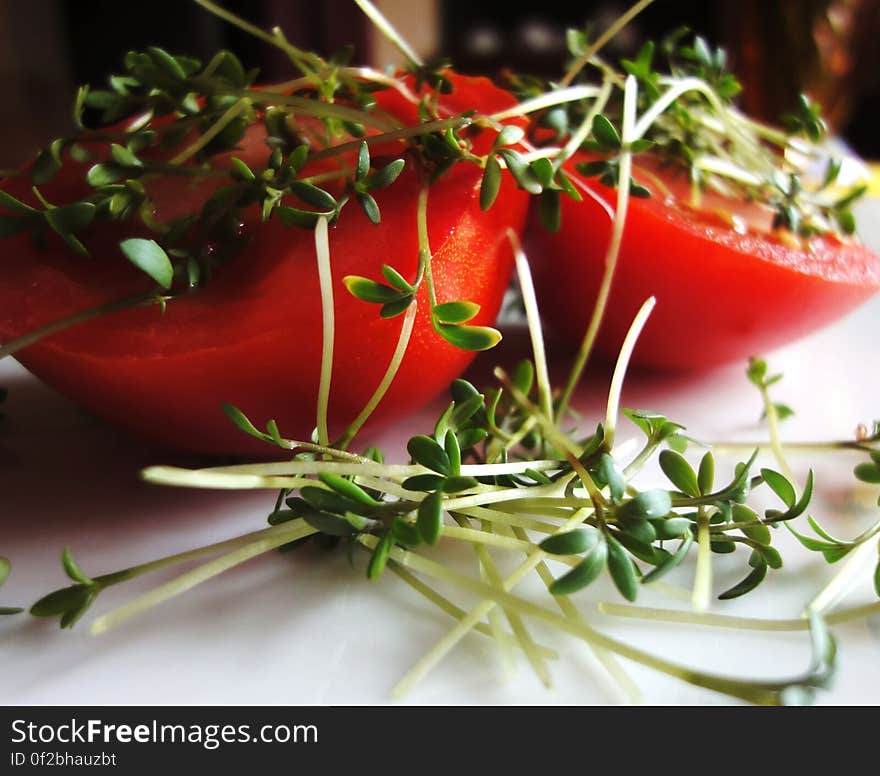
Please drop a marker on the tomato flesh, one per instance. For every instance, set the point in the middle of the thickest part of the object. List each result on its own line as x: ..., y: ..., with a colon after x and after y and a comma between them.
x: 726, y: 287
x: 252, y: 337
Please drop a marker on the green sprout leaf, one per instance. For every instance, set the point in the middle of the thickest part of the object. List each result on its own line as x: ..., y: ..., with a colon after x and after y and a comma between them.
x: 70, y: 218
x: 150, y: 257
x: 622, y: 570
x: 584, y: 573
x: 469, y: 337
x: 679, y: 472
x: 72, y: 570
x: 380, y: 556
x: 575, y: 542
x: 755, y: 577
x: 425, y: 451
x: 780, y: 486
x: 430, y: 518
x: 456, y: 312
x: 369, y: 290
x: 491, y: 183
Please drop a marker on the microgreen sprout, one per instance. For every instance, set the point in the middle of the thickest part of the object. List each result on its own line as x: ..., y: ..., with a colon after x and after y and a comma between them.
x: 500, y: 469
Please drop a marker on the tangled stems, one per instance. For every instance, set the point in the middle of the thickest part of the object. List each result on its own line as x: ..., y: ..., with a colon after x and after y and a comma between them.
x: 497, y: 471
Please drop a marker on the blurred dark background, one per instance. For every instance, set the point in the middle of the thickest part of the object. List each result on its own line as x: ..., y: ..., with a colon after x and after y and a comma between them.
x: 778, y: 47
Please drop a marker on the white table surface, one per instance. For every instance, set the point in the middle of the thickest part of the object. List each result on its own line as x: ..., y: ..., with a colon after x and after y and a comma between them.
x: 306, y: 628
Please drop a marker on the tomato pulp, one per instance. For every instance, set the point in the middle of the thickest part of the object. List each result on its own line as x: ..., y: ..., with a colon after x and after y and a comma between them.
x: 252, y: 337
x: 727, y: 286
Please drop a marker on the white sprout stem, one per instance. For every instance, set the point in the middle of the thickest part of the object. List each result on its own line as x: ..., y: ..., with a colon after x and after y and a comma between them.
x: 702, y: 592
x: 630, y: 97
x: 775, y: 436
x: 297, y: 530
x: 548, y: 100
x: 262, y: 475
x: 195, y: 478
x: 322, y: 250
x: 726, y: 169
x: 586, y: 126
x: 387, y: 29
x: 675, y: 91
x: 475, y: 615
x: 533, y: 317
x: 390, y: 373
x: 593, y: 49
x: 623, y: 358
x: 379, y: 77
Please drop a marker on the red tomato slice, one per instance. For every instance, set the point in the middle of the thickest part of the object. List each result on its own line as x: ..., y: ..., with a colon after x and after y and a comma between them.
x: 726, y: 287
x: 252, y: 337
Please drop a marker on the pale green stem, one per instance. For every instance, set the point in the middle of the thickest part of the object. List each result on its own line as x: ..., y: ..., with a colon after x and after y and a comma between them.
x: 496, y: 627
x: 791, y: 447
x: 296, y: 55
x: 425, y: 256
x: 314, y: 107
x: 630, y: 97
x: 439, y: 125
x: 514, y: 439
x: 322, y: 250
x: 775, y: 437
x: 851, y: 569
x: 115, y: 577
x: 759, y: 692
x: 355, y: 464
x: 189, y: 478
x: 289, y: 473
x: 586, y: 126
x: 140, y: 300
x: 485, y: 538
x: 737, y: 623
x: 234, y: 110
x: 511, y: 519
x: 445, y: 605
x: 533, y: 317
x: 678, y: 88
x: 623, y: 358
x: 445, y: 645
x: 390, y: 373
x: 388, y: 30
x: 623, y: 683
x: 526, y: 642
x: 595, y: 47
x: 548, y: 100
x: 297, y: 530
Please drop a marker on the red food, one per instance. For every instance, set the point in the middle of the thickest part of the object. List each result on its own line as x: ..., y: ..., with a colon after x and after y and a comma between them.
x: 727, y: 286
x: 252, y: 336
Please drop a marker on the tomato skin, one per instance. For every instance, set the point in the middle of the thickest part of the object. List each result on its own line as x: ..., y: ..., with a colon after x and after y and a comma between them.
x: 722, y: 295
x: 253, y: 336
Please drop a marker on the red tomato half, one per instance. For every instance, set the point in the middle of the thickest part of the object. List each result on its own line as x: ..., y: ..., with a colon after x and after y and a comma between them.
x: 726, y: 287
x: 252, y: 337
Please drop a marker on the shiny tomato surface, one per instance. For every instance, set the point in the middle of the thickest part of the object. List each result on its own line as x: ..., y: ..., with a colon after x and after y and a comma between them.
x: 252, y: 337
x: 727, y: 286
